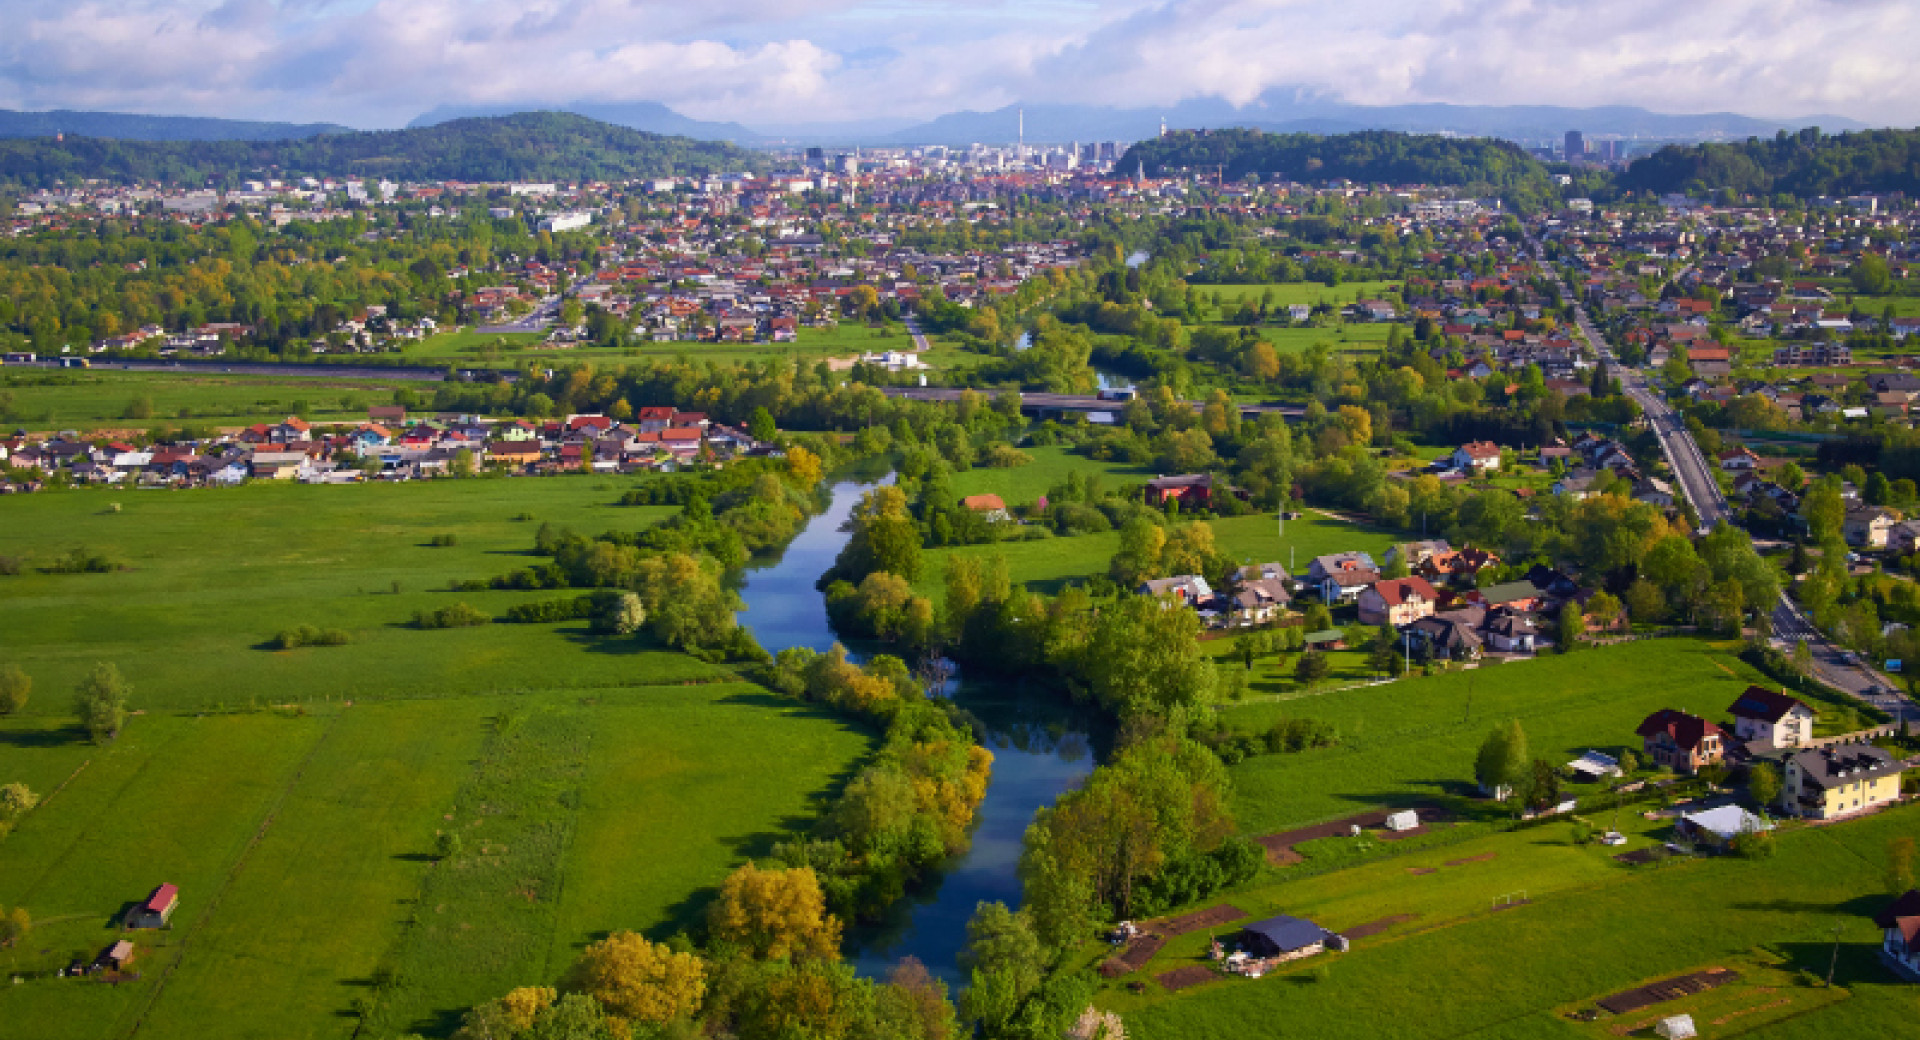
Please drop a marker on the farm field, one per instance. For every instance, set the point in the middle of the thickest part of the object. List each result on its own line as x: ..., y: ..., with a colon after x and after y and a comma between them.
x: 100, y: 398
x: 212, y: 574
x: 1286, y: 294
x: 1599, y: 928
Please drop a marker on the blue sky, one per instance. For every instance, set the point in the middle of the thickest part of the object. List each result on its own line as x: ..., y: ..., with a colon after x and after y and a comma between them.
x: 374, y: 63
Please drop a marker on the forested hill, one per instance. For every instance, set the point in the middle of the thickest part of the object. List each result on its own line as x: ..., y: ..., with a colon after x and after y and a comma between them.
x: 1805, y: 164
x: 135, y: 127
x: 529, y: 146
x: 1367, y: 157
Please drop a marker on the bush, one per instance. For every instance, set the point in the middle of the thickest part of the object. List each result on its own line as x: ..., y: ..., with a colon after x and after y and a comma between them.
x: 309, y: 635
x: 459, y: 615
x: 15, y: 685
x: 9, y: 565
x: 442, y: 541
x: 80, y: 560
x: 548, y: 611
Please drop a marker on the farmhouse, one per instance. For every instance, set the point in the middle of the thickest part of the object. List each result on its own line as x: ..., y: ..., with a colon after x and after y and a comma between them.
x: 1681, y: 742
x: 1397, y: 601
x: 1901, y: 949
x: 990, y: 506
x: 1835, y: 781
x: 1772, y: 719
x: 157, y: 911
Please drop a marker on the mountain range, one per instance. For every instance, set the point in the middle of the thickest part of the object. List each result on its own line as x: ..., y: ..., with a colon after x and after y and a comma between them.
x: 1278, y: 110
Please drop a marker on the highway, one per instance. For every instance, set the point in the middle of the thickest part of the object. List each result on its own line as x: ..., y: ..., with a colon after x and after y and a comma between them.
x: 1831, y: 664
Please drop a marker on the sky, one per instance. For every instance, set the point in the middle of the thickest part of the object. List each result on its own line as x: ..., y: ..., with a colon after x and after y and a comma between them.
x: 379, y: 63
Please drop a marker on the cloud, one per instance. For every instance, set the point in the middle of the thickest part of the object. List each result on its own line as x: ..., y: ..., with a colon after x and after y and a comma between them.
x: 379, y: 62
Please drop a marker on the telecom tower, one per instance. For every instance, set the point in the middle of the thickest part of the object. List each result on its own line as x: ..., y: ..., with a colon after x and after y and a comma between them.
x: 1020, y: 139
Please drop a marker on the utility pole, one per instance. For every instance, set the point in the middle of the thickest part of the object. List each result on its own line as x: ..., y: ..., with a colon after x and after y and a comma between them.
x: 1834, y: 962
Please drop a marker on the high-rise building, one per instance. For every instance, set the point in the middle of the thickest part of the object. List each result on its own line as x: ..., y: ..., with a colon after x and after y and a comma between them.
x: 1576, y: 145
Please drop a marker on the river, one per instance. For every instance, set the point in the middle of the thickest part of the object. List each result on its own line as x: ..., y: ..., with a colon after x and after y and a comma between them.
x: 1038, y: 750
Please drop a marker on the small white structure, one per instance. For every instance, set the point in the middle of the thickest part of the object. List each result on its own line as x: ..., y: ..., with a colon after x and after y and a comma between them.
x: 1595, y: 765
x: 1403, y: 821
x: 1676, y: 1027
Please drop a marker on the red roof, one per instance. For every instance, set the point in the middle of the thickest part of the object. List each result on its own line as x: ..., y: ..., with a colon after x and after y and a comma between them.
x: 1686, y: 730
x: 983, y: 503
x: 1396, y: 591
x: 163, y: 899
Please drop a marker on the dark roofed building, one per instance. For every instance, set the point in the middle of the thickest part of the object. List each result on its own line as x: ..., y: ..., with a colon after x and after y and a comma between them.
x: 1284, y: 937
x: 1193, y: 489
x: 1680, y: 741
x: 1771, y: 718
x: 1901, y: 949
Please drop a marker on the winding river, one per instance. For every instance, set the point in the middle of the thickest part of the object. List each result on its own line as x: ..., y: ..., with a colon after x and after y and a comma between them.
x: 1039, y: 751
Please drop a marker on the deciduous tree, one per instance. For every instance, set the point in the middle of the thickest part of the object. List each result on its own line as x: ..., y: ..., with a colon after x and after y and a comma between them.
x: 639, y: 980
x: 775, y: 914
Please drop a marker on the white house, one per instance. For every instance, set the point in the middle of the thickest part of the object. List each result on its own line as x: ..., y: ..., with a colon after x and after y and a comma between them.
x: 1773, y: 719
x: 1901, y: 949
x: 1480, y: 456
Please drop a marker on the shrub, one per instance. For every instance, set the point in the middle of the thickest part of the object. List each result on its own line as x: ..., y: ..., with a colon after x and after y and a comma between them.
x: 9, y: 565
x: 442, y: 541
x: 309, y: 635
x: 548, y: 611
x: 15, y: 685
x: 459, y: 615
x: 80, y: 560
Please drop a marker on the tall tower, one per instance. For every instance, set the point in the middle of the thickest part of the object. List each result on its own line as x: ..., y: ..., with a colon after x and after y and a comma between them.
x: 1020, y: 139
x: 1163, y: 126
x: 1576, y: 145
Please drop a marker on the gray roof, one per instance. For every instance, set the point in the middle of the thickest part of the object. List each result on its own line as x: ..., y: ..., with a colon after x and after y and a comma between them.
x: 1832, y: 766
x: 1289, y: 933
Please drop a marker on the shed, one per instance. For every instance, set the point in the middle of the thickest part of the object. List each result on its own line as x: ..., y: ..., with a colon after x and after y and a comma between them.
x: 1404, y: 820
x: 1595, y: 765
x: 1676, y: 1027
x: 119, y: 955
x: 1326, y: 639
x: 1283, y: 935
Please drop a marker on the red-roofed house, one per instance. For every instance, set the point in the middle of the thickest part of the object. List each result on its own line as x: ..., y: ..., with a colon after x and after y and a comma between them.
x: 1682, y: 742
x: 993, y: 507
x: 1397, y: 601
x: 1481, y: 456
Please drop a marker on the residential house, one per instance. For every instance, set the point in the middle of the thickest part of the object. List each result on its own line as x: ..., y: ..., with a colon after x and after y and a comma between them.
x: 1520, y: 595
x: 1775, y: 720
x: 1190, y: 589
x: 1255, y: 599
x: 1900, y: 950
x: 1511, y: 632
x: 1868, y: 526
x: 1192, y: 491
x: 1417, y: 553
x: 989, y: 505
x: 1461, y: 567
x: 1823, y: 783
x: 157, y: 911
x: 1340, y: 577
x: 1903, y: 539
x: 1448, y: 636
x: 1682, y: 742
x: 1397, y: 601
x: 1736, y: 460
x: 1477, y: 456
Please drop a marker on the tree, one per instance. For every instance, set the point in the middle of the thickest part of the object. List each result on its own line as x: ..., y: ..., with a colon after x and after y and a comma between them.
x: 1870, y: 275
x: 761, y: 425
x: 15, y: 685
x: 638, y: 980
x: 1824, y: 510
x: 447, y: 845
x: 618, y: 613
x: 804, y: 467
x: 1802, y: 657
x: 1763, y: 783
x: 1312, y: 667
x: 885, y: 538
x: 1143, y: 657
x: 775, y: 914
x: 1142, y: 545
x: 463, y: 464
x: 14, y: 925
x: 1571, y: 627
x: 15, y: 802
x: 100, y: 700
x: 1502, y: 763
x: 1004, y: 961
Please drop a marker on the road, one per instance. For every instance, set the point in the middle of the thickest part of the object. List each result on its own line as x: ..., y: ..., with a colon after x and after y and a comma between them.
x: 920, y: 343
x: 1037, y: 402
x: 1832, y: 665
x: 535, y: 320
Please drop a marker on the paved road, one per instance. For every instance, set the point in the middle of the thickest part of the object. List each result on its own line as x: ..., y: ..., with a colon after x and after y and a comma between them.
x: 535, y: 320
x: 919, y: 338
x: 1831, y: 664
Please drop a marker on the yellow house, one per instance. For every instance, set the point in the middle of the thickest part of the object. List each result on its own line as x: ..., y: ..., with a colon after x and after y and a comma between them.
x: 1837, y: 781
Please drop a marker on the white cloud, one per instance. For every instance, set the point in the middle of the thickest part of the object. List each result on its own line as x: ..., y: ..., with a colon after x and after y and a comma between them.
x: 378, y: 62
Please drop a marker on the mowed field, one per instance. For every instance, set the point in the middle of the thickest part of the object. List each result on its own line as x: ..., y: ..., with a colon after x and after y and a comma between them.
x: 296, y: 797
x: 507, y: 349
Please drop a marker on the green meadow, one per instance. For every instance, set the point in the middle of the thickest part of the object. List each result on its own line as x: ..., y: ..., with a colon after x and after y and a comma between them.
x: 1286, y: 294
x: 42, y: 399
x: 296, y: 797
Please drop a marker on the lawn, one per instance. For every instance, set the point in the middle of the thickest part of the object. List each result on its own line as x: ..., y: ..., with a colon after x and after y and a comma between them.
x: 1590, y: 929
x: 1021, y: 485
x: 1286, y: 294
x: 102, y: 398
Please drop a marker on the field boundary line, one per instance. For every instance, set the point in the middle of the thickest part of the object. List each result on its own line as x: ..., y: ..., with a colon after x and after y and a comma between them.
x: 233, y: 872
x: 63, y: 784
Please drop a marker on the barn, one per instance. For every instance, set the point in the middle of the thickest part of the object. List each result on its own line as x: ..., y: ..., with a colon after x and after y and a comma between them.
x: 157, y: 911
x: 1287, y: 938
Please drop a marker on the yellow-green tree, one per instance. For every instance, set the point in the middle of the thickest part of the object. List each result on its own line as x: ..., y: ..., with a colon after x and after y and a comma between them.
x: 639, y: 980
x: 776, y: 914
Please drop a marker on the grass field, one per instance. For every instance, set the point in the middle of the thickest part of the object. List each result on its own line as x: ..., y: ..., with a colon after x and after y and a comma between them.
x: 1415, y: 739
x: 100, y: 398
x: 1021, y: 485
x: 485, y: 348
x: 1591, y: 928
x: 595, y: 783
x: 1286, y: 294
x: 1047, y: 565
x: 212, y: 574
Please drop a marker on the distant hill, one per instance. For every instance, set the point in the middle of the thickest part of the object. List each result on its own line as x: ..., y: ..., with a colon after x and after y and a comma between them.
x: 528, y: 146
x: 1804, y: 164
x: 1368, y: 157
x: 129, y: 127
x: 650, y: 116
x: 1283, y: 111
